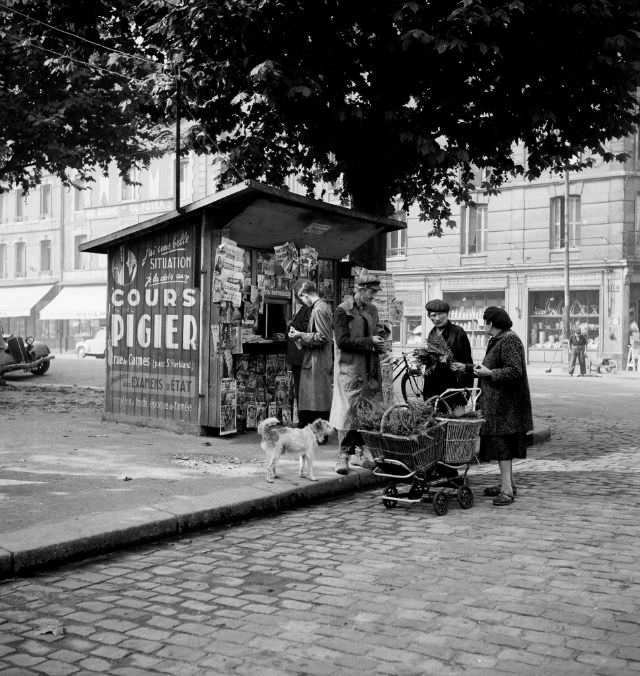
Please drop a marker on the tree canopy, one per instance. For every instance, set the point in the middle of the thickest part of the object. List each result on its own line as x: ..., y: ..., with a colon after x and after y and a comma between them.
x: 395, y: 97
x: 67, y: 104
x: 392, y: 98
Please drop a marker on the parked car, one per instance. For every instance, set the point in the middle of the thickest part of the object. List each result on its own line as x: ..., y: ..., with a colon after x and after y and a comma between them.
x: 23, y: 354
x: 93, y: 347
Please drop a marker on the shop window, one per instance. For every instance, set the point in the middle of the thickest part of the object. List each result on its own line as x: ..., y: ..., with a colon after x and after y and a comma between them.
x: 395, y: 333
x: 546, y: 316
x: 3, y: 261
x: 46, y: 209
x: 45, y: 255
x: 473, y: 229
x: 397, y: 243
x: 80, y: 259
x: 414, y: 329
x: 21, y: 259
x: 557, y: 227
x: 467, y: 309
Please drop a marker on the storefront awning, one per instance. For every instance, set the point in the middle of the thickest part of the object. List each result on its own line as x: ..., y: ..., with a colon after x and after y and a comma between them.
x: 18, y: 301
x: 77, y: 302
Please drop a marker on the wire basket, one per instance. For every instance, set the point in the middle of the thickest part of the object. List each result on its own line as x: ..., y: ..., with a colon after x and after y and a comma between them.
x: 416, y: 451
x: 460, y: 444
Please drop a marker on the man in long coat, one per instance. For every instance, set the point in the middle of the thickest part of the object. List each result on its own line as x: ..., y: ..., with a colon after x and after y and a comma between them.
x: 358, y: 338
x: 316, y: 373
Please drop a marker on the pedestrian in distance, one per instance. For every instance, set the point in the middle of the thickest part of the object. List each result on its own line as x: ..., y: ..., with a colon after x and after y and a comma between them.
x: 505, y: 402
x: 316, y: 342
x: 578, y: 347
x: 443, y: 376
x: 359, y: 339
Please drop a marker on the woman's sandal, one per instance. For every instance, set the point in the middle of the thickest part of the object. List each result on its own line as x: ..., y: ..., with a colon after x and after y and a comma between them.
x: 503, y: 499
x: 494, y: 491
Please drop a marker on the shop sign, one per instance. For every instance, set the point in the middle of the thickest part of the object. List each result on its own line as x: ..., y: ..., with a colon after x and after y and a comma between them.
x: 153, y: 341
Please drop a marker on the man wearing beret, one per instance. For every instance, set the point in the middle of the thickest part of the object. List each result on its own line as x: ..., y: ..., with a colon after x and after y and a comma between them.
x: 443, y: 376
x: 358, y: 341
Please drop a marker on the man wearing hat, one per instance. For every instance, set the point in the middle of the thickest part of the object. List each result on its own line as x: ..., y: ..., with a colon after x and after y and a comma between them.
x: 443, y: 376
x: 358, y: 341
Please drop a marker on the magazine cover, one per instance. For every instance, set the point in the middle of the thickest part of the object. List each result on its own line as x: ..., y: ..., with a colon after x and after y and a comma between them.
x: 261, y: 408
x: 252, y: 415
x: 286, y: 415
x: 227, y: 406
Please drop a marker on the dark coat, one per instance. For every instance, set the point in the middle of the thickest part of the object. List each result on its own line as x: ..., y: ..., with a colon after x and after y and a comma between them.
x: 442, y: 377
x: 505, y: 400
x: 300, y: 322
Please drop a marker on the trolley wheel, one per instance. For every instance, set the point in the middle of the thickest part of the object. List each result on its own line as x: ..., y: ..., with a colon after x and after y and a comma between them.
x: 440, y: 504
x: 391, y: 491
x: 465, y: 497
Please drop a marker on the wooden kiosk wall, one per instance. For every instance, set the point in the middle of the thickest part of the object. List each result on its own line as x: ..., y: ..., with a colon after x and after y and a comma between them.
x: 154, y: 328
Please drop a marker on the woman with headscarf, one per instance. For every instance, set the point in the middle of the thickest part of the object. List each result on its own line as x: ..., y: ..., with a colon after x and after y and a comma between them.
x: 505, y: 402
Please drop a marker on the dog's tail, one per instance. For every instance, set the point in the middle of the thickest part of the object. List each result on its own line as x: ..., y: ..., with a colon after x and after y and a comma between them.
x: 267, y: 424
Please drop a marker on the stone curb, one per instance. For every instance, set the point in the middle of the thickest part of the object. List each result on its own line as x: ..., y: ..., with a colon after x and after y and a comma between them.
x: 37, y: 547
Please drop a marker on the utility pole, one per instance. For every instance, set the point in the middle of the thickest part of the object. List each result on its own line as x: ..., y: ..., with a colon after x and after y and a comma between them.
x: 177, y: 166
x: 565, y: 216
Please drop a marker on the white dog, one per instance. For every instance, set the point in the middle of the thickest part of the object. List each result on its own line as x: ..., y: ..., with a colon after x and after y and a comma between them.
x: 276, y: 441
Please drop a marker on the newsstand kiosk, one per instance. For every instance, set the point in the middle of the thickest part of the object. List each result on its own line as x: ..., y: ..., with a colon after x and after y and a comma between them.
x: 199, y: 300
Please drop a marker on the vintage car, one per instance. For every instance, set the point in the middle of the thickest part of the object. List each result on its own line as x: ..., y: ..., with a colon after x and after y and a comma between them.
x: 18, y: 354
x: 93, y: 347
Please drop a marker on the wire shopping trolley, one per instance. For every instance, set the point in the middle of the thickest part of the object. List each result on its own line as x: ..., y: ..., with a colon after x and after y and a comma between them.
x: 406, y: 459
x: 457, y: 407
x: 435, y: 462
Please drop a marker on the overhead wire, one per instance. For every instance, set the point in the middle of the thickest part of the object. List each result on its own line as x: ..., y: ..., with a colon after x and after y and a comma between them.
x: 103, y: 69
x: 18, y: 41
x: 79, y: 37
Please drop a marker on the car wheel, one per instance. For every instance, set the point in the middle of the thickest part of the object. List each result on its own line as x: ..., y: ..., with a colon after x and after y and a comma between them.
x: 81, y: 352
x: 41, y: 369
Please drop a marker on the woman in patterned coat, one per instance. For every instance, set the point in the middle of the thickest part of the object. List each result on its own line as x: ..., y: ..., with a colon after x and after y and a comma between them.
x: 505, y: 402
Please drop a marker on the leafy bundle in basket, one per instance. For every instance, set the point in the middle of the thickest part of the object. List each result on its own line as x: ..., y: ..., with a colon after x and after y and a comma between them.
x: 461, y: 413
x: 410, y: 419
x: 436, y: 351
x: 369, y: 413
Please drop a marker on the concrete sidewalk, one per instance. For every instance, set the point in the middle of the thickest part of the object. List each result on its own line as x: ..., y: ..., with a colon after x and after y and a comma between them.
x: 72, y: 485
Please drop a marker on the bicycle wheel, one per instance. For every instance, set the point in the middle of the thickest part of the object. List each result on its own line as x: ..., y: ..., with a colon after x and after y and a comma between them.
x: 412, y: 386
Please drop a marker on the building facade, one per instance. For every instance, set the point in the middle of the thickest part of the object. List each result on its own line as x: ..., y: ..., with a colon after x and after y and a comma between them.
x: 48, y: 288
x: 509, y: 250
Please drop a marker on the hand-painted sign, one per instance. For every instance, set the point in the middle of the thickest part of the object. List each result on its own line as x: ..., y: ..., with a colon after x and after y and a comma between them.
x: 153, y: 341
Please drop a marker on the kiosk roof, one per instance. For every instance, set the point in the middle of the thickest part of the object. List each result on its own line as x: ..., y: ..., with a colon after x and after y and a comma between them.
x: 259, y: 216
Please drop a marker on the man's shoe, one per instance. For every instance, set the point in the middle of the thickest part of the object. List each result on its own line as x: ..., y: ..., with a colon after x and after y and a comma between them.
x: 342, y: 466
x: 361, y: 458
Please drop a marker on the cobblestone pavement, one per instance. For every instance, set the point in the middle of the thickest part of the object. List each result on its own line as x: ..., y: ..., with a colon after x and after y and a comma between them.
x: 549, y: 585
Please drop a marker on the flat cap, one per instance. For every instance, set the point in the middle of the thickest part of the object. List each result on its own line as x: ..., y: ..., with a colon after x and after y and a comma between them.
x: 437, y: 305
x: 368, y: 280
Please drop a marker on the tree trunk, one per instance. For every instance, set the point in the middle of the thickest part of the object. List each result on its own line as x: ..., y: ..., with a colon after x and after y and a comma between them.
x: 372, y: 254
x: 371, y: 198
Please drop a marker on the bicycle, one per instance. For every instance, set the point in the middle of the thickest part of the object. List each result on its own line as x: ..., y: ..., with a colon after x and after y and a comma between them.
x: 411, y: 377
